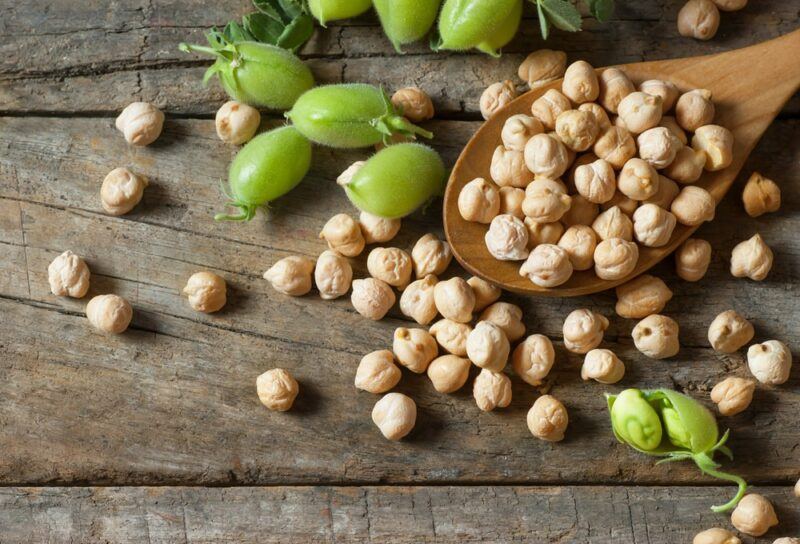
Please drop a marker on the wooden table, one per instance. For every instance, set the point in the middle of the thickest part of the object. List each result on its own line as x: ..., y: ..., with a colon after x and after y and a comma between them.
x: 157, y: 435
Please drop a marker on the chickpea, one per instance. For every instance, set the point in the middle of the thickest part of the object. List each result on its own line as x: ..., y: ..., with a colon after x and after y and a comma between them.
x: 626, y: 205
x: 602, y: 366
x: 452, y: 336
x: 109, y: 313
x: 658, y: 146
x: 571, y: 155
x: 518, y: 129
x: 546, y: 156
x: 236, y: 122
x: 343, y: 235
x: 640, y: 111
x: 68, y: 276
x: 770, y: 362
x: 665, y: 89
x: 491, y: 390
x: 667, y: 191
x: 377, y: 373
x: 496, y: 96
x: 754, y: 515
x: 543, y: 182
x: 506, y: 316
x: 549, y: 106
x: 430, y: 256
x: 577, y: 129
x: 615, y: 258
x: 614, y: 86
x: 508, y: 168
x: 787, y: 540
x: 485, y: 292
x: 391, y: 265
x: 717, y: 143
x: 206, y: 291
x: 733, y: 395
x: 395, y: 415
x: 140, y: 123
x: 372, y: 298
x: 533, y: 358
x: 716, y: 536
x: 580, y: 82
x: 752, y: 259
x: 657, y: 336
x: 121, y: 191
x: 600, y: 115
x: 488, y: 347
x: 671, y: 123
x: 642, y: 296
x: 760, y: 195
x: 580, y: 212
x: 291, y: 275
x: 479, y: 201
x: 653, y: 225
x: 797, y: 489
x: 376, y: 229
x: 455, y: 299
x: 544, y: 203
x: 414, y: 104
x: 448, y: 373
x: 694, y: 109
x: 612, y: 223
x: 693, y: 205
x: 698, y: 19
x: 692, y: 259
x: 347, y: 176
x: 596, y: 181
x: 547, y: 419
x: 730, y: 5
x: 277, y: 389
x: 579, y: 241
x: 638, y: 180
x: 542, y: 66
x: 547, y: 266
x: 687, y: 166
x: 729, y: 331
x: 417, y: 300
x: 511, y: 199
x: 583, y: 330
x: 543, y: 233
x: 615, y: 145
x: 507, y: 238
x: 414, y: 348
x: 332, y: 275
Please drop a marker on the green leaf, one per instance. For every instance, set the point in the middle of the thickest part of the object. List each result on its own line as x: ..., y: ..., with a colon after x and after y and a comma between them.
x: 561, y: 14
x: 543, y: 24
x: 296, y: 33
x: 264, y: 28
x: 270, y: 8
x: 602, y: 10
x: 234, y: 32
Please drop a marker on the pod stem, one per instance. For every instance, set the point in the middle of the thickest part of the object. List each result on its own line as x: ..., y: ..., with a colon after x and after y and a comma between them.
x: 392, y: 122
x: 191, y: 48
x: 246, y: 213
x: 707, y: 465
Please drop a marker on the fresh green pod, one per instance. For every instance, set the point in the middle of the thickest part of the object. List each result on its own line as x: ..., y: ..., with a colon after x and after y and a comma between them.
x: 464, y: 24
x: 406, y: 21
x: 504, y: 33
x: 331, y: 10
x: 397, y: 180
x: 269, y: 166
x: 256, y: 73
x: 350, y: 115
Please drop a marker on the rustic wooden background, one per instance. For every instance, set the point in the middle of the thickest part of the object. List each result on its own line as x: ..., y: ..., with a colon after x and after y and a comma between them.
x: 157, y: 435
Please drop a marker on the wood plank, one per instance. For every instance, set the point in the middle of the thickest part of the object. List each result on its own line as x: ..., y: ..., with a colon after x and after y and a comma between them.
x: 390, y: 515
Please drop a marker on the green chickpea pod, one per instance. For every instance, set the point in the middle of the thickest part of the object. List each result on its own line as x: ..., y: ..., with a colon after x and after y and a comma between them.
x: 331, y: 10
x: 464, y: 24
x: 406, y: 21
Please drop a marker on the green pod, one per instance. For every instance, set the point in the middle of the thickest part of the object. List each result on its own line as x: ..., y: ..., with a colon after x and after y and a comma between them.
x: 406, y: 21
x: 331, y: 10
x: 397, y: 180
x: 464, y: 24
x: 268, y: 166
x: 504, y: 33
x: 350, y: 115
x: 688, y: 423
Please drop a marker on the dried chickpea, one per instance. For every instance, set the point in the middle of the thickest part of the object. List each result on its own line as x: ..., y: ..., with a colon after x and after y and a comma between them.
x: 687, y: 167
x: 448, y: 373
x: 580, y: 212
x: 121, y: 191
x: 729, y: 331
x: 614, y: 86
x: 665, y: 89
x: 546, y: 156
x: 797, y: 489
x: 518, y: 129
x: 640, y: 111
x: 733, y: 395
x: 657, y: 336
x: 291, y: 275
x: 752, y: 259
x: 580, y: 83
x: 770, y: 362
x: 669, y: 122
x: 376, y: 229
x: 693, y: 206
x: 343, y: 235
x: 547, y: 419
x: 454, y: 299
x: 372, y: 298
x: 667, y: 191
x: 390, y: 265
x: 507, y: 238
x: 332, y: 275
x: 206, y: 291
x: 236, y: 123
x: 543, y: 233
x: 414, y: 348
x: 547, y: 266
x: 730, y: 5
x: 626, y: 205
x: 491, y: 390
x: 395, y: 415
x: 542, y: 66
x: 140, y: 123
x: 430, y: 256
x: 602, y: 366
x: 488, y: 347
x: 485, y: 292
x: 615, y: 145
x: 612, y: 223
x: 545, y: 203
x: 542, y: 182
x: 479, y: 201
x: 496, y: 96
x: 761, y: 195
x: 549, y: 106
x: 716, y: 536
x: 615, y: 258
x: 533, y: 358
x: 452, y: 336
x: 754, y: 515
x: 511, y: 199
x: 577, y: 129
x: 414, y: 104
x: 692, y: 259
x: 787, y: 540
x: 596, y: 181
x: 638, y: 180
x: 277, y: 389
x: 417, y: 300
x: 658, y: 146
x: 694, y: 109
x: 508, y: 168
x: 506, y: 316
x: 698, y: 19
x: 653, y: 225
x: 68, y: 276
x: 377, y: 373
x: 600, y: 115
x: 579, y: 241
x: 642, y: 296
x: 583, y: 330
x: 347, y: 176
x: 571, y: 155
x: 717, y: 143
x: 109, y: 313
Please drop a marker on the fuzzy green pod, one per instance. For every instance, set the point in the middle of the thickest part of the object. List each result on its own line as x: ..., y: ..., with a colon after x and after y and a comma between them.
x: 350, y: 115
x: 269, y: 166
x: 397, y: 180
x: 464, y: 24
x: 504, y: 33
x: 406, y: 21
x: 332, y: 10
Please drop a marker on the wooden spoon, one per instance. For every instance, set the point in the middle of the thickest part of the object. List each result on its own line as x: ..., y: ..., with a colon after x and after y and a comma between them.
x: 749, y: 88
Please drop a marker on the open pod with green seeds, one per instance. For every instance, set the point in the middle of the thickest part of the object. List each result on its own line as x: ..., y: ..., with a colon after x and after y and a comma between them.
x: 668, y: 424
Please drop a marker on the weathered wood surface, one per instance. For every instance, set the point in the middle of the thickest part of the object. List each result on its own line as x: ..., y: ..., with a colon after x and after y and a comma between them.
x: 407, y: 515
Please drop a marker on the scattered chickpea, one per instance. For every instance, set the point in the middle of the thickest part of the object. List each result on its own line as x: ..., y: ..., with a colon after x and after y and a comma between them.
x: 542, y: 66
x: 277, y: 389
x: 717, y: 143
x: 640, y: 111
x: 488, y: 347
x: 787, y: 540
x: 343, y: 235
x: 687, y: 166
x: 596, y: 181
x: 448, y: 373
x: 533, y: 359
x: 613, y: 223
x: 347, y: 176
x: 657, y: 336
x: 545, y: 203
x: 391, y: 265
x: 615, y: 258
x: 733, y: 395
x: 653, y: 225
x: 579, y: 241
x: 414, y: 104
x: 761, y: 195
x: 693, y: 206
x: 454, y: 299
x: 694, y: 109
x: 754, y: 515
x: 602, y: 366
x: 600, y: 115
x: 665, y: 89
x: 638, y: 180
x: 491, y: 390
x: 549, y: 106
x: 479, y: 201
x: 121, y: 191
x: 577, y: 129
x: 506, y: 316
x: 485, y: 292
x: 580, y: 83
x: 511, y: 199
x: 692, y: 259
x: 543, y: 233
x: 614, y: 86
x: 547, y: 266
x: 109, y: 313
x: 372, y: 298
x: 547, y: 419
x: 797, y: 489
x: 395, y: 415
x: 615, y: 145
x: 518, y: 129
x: 716, y: 536
x: 206, y: 291
x: 451, y: 335
x: 669, y: 122
x: 730, y: 5
x: 508, y: 168
x: 583, y: 330
x: 417, y: 300
x: 546, y: 156
x: 236, y: 122
x: 291, y: 275
x: 626, y: 205
x: 332, y: 275
x: 140, y: 123
x: 770, y: 362
x: 729, y: 331
x: 667, y: 191
x: 698, y: 19
x: 430, y: 256
x: 377, y: 373
x: 414, y: 348
x: 496, y: 96
x: 68, y: 276
x: 658, y: 146
x: 507, y: 238
x: 752, y: 259
x: 642, y: 296
x: 378, y: 230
